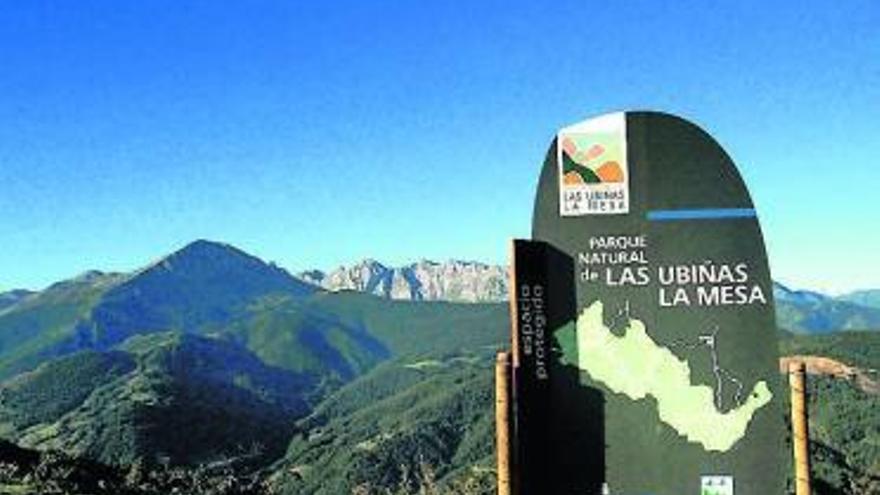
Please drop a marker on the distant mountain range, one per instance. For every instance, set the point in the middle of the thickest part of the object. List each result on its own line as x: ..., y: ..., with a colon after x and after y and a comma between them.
x: 458, y: 281
x: 799, y: 311
x: 869, y: 297
x: 803, y: 311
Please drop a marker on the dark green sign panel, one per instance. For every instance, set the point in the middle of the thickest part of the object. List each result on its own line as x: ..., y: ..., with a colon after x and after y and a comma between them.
x: 656, y: 372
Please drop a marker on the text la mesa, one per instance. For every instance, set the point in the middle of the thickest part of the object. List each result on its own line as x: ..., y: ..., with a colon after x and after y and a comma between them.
x: 713, y: 295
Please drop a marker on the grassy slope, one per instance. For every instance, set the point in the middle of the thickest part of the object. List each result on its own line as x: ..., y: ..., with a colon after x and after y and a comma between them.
x: 342, y: 335
x: 29, y: 331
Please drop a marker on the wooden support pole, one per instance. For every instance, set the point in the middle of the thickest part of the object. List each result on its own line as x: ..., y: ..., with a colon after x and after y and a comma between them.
x: 502, y: 422
x: 799, y: 429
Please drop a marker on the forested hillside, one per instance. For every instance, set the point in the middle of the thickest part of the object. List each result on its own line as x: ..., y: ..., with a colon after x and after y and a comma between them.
x: 212, y: 372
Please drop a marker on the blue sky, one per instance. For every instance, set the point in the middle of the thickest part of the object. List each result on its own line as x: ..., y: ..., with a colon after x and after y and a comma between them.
x: 316, y: 134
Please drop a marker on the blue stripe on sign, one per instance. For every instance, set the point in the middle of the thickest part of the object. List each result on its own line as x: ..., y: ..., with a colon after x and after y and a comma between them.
x: 700, y: 214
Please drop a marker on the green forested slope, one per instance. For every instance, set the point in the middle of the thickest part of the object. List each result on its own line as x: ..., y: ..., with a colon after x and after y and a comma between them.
x: 171, y: 396
x: 406, y: 426
x: 844, y: 414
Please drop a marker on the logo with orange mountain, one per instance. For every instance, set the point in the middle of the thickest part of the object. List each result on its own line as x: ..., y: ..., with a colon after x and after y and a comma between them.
x: 593, y: 168
x: 588, y: 166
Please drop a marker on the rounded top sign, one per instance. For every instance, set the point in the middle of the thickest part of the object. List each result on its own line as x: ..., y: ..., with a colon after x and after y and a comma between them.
x: 663, y: 348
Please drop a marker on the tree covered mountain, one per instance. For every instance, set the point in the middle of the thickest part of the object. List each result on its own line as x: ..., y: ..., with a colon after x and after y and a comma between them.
x: 870, y: 298
x: 407, y: 425
x: 135, y: 401
x: 811, y: 312
x: 202, y: 285
x: 844, y: 411
x: 208, y: 341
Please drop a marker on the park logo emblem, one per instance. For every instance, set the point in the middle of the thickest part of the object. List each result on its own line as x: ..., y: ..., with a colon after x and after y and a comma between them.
x: 593, y: 175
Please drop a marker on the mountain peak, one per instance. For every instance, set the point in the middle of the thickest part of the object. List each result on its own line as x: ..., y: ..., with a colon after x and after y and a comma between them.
x: 203, y: 256
x: 204, y: 247
x: 370, y: 263
x: 202, y: 283
x: 208, y: 262
x: 783, y: 293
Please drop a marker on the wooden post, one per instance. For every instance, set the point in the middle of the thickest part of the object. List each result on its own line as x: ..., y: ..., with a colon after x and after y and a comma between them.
x: 502, y: 422
x: 799, y: 430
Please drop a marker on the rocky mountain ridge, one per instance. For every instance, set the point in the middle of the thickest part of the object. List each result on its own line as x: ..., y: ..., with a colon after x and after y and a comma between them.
x: 454, y: 280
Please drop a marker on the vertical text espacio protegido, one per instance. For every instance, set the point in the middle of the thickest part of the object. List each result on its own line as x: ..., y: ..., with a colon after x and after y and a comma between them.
x: 533, y: 326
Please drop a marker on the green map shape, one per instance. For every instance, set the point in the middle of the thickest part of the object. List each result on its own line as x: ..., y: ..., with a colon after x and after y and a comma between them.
x: 634, y: 365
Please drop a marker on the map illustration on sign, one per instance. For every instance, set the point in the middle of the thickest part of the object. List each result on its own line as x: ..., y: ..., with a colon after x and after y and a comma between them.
x: 655, y: 368
x: 636, y: 366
